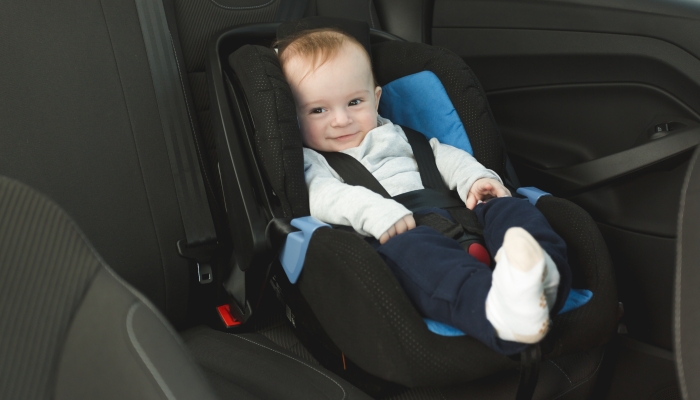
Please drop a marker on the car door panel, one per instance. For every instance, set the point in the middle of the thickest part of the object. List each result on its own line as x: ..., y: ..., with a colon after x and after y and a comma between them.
x: 579, y: 89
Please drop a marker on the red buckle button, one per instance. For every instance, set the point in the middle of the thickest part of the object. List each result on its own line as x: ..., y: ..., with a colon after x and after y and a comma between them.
x: 226, y: 317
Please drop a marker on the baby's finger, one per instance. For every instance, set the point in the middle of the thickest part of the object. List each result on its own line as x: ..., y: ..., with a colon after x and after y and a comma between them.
x: 410, y: 222
x: 391, y: 232
x: 501, y: 191
x: 383, y: 238
x: 471, y: 201
x: 400, y: 226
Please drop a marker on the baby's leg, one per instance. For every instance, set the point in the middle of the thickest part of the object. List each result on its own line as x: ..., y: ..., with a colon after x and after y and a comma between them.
x: 445, y: 283
x: 499, y: 215
x: 516, y: 305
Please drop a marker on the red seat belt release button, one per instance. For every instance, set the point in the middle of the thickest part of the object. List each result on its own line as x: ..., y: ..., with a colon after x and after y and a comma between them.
x: 226, y: 317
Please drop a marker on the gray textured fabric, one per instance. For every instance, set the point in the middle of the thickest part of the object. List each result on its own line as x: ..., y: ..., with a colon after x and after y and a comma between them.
x: 118, y: 347
x: 69, y: 327
x: 45, y: 269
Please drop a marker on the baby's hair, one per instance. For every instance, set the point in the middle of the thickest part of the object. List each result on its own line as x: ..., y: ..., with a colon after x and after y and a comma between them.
x: 316, y: 45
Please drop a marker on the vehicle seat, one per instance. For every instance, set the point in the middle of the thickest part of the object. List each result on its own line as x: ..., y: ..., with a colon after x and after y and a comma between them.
x: 345, y: 290
x: 80, y: 121
x: 73, y: 329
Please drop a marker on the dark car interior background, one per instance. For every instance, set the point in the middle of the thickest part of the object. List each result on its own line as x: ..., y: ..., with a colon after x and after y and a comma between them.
x: 597, y: 102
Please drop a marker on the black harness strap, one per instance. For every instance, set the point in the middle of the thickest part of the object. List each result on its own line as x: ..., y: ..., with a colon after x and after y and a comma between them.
x: 530, y: 361
x: 435, y: 194
x: 353, y: 172
x: 425, y: 158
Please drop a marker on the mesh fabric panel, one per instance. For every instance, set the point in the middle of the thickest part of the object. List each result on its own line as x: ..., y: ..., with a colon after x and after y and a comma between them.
x: 45, y: 269
x: 594, y: 323
x: 197, y: 22
x: 277, y: 136
x: 394, y: 59
x: 361, y: 306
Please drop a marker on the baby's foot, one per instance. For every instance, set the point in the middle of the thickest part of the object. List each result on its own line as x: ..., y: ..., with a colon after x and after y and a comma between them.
x: 550, y: 280
x: 516, y: 304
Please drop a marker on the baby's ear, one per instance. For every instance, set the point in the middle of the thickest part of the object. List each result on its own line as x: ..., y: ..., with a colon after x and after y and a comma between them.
x: 377, y: 95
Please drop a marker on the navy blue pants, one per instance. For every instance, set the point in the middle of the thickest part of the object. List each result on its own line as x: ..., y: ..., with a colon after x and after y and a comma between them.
x: 448, y: 285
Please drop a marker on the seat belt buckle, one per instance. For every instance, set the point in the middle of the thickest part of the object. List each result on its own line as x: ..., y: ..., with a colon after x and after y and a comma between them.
x: 204, y: 274
x: 201, y: 254
x: 225, y: 314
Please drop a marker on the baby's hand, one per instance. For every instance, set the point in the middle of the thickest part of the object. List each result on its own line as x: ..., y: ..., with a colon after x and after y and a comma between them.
x: 404, y: 224
x: 484, y: 189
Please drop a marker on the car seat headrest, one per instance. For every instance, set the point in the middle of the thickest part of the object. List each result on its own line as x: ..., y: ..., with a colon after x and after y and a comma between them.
x: 274, y: 116
x: 420, y: 102
x: 393, y: 60
x: 357, y: 29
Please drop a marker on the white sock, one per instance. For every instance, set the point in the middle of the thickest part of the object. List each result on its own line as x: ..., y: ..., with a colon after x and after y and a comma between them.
x: 516, y: 304
x: 551, y: 280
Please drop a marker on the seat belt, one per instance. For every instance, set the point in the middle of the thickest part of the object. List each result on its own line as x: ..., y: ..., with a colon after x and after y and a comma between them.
x: 200, y: 234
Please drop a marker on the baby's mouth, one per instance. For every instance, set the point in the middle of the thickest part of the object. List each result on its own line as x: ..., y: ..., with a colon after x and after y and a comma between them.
x: 345, y: 137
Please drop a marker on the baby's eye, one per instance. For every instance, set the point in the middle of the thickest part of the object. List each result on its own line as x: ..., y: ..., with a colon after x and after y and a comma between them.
x: 318, y: 110
x: 354, y: 102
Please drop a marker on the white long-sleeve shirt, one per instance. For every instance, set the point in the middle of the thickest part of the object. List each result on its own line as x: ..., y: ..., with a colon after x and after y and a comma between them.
x: 386, y: 153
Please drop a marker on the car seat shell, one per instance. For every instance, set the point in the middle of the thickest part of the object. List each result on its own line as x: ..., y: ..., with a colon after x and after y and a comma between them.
x: 379, y: 330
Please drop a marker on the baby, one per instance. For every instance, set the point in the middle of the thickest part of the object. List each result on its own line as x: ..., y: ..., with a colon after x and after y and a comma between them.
x: 337, y: 99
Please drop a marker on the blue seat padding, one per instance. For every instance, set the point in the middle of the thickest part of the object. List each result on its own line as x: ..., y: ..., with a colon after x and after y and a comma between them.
x: 576, y: 299
x: 420, y: 102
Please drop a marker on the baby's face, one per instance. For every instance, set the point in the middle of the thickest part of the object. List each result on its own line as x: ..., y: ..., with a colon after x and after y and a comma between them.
x: 337, y: 103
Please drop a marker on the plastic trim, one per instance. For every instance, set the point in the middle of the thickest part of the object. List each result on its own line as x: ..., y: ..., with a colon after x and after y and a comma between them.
x: 532, y: 193
x: 293, y: 252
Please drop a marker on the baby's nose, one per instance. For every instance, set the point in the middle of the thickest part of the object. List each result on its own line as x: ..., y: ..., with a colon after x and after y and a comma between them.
x: 342, y: 118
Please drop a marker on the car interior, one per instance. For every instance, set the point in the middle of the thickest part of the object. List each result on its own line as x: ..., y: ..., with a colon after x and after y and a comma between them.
x: 147, y: 190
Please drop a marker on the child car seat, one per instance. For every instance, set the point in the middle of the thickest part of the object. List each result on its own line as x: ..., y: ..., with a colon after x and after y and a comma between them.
x: 346, y: 301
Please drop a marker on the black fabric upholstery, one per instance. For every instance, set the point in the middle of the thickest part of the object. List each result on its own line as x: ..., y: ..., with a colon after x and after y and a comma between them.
x: 361, y: 10
x: 80, y: 128
x: 571, y: 377
x: 277, y: 135
x: 240, y: 361
x: 197, y: 21
x: 380, y: 330
x: 411, y: 20
x: 69, y: 328
x: 395, y: 59
x: 358, y: 29
x: 595, y: 323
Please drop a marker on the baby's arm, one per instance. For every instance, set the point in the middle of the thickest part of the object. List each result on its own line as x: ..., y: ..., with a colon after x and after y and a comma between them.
x: 335, y: 202
x: 462, y: 172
